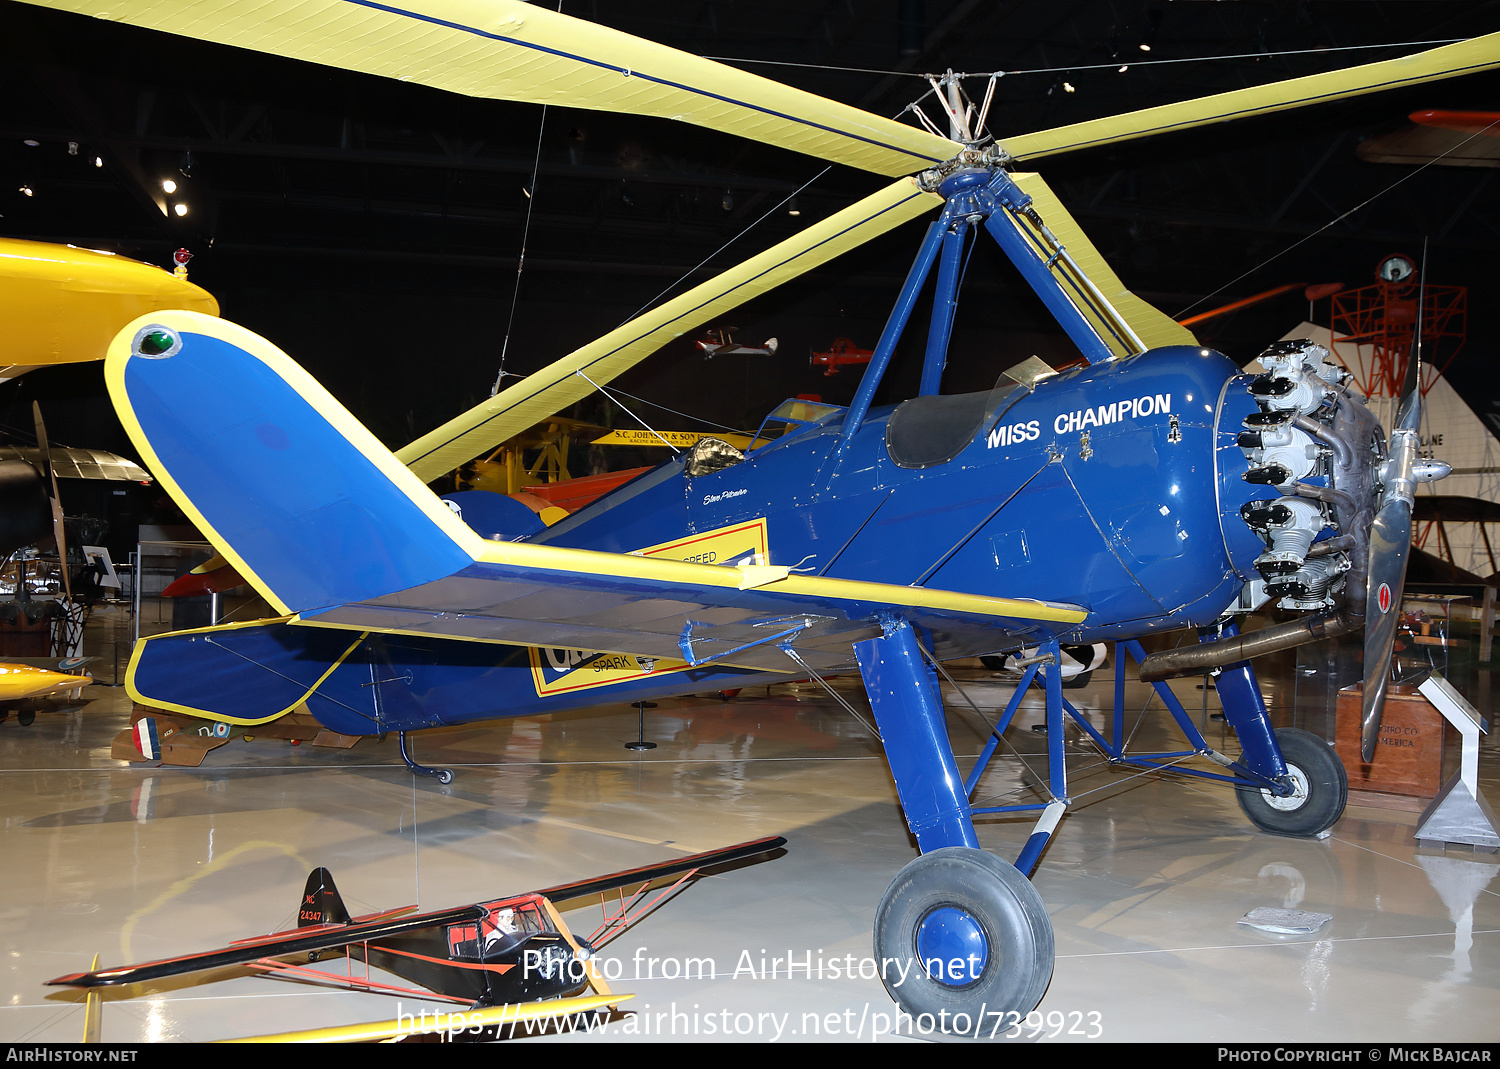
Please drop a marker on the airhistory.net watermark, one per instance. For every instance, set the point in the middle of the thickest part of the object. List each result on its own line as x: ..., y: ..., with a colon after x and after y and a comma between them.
x: 681, y: 1021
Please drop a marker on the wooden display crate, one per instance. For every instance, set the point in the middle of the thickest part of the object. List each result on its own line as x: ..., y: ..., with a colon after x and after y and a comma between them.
x: 1409, y: 754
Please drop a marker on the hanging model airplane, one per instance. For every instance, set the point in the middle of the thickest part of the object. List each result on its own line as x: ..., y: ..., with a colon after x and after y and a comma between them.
x: 722, y: 343
x: 1153, y: 488
x: 841, y: 352
x: 490, y: 957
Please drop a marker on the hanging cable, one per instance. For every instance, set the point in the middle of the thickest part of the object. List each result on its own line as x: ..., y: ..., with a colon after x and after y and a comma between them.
x: 684, y: 415
x: 769, y: 212
x: 1338, y: 219
x: 515, y: 296
x: 1115, y: 65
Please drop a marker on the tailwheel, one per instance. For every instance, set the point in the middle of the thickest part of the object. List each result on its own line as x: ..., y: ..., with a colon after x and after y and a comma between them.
x: 1320, y: 789
x: 963, y: 942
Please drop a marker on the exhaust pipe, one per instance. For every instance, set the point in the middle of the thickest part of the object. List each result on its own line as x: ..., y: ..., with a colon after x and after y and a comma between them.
x: 1194, y: 660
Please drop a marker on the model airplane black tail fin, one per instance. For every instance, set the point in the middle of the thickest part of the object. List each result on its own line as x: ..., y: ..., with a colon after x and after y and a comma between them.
x: 321, y: 902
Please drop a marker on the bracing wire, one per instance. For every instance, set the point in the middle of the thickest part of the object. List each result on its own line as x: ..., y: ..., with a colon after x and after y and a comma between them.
x: 1336, y: 220
x: 768, y: 213
x: 515, y: 296
x: 1114, y: 65
x: 633, y: 416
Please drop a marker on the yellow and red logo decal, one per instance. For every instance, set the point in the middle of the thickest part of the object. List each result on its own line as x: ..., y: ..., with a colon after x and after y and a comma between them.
x: 557, y: 671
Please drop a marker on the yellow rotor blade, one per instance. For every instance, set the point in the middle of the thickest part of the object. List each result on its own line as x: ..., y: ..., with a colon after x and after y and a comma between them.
x: 558, y: 385
x: 428, y: 1024
x: 1152, y: 326
x: 1448, y: 61
x: 509, y: 50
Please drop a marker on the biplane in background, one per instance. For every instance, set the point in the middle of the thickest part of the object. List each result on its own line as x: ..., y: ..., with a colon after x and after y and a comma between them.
x: 1149, y: 489
x: 489, y: 957
x: 722, y: 343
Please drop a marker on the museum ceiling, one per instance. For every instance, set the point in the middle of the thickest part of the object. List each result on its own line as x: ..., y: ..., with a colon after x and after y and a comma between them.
x: 325, y: 178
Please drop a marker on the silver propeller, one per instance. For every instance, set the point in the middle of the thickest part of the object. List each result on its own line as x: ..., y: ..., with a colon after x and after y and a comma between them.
x: 1390, y: 545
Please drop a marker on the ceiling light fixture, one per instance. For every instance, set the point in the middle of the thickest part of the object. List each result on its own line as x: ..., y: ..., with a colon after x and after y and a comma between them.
x: 180, y: 208
x: 168, y: 185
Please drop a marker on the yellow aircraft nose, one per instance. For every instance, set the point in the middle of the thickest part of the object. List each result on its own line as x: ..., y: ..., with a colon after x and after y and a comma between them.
x: 19, y: 681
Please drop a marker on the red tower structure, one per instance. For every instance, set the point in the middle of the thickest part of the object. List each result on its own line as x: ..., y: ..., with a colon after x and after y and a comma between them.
x: 1385, y: 316
x: 1374, y: 335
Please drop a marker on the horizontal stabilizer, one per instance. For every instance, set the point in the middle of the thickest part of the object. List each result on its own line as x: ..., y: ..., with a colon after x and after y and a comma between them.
x: 250, y: 674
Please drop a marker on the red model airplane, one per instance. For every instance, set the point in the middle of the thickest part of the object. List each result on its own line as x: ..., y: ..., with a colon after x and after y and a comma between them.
x: 841, y: 352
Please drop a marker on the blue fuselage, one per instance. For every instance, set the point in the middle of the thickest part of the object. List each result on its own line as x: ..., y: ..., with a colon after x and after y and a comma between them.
x: 1115, y: 487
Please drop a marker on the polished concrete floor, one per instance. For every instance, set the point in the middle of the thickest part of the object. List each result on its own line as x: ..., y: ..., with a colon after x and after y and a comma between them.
x: 1145, y: 881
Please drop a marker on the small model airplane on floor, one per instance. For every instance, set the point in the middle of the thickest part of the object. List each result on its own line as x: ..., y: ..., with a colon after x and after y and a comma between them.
x: 491, y: 957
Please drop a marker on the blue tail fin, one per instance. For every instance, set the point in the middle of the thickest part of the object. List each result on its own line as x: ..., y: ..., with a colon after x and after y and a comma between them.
x: 302, y: 499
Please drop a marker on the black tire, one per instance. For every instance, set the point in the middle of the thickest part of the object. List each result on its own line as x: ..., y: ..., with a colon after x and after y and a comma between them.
x: 993, y: 662
x: 26, y: 717
x: 445, y: 775
x: 987, y: 895
x: 1322, y: 789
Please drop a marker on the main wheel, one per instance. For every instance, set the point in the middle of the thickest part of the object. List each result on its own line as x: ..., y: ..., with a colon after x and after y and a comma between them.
x: 1320, y: 789
x: 963, y: 942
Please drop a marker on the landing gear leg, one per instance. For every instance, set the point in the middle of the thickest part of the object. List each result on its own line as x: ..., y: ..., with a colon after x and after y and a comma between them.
x: 961, y: 937
x: 442, y: 775
x: 1300, y: 760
